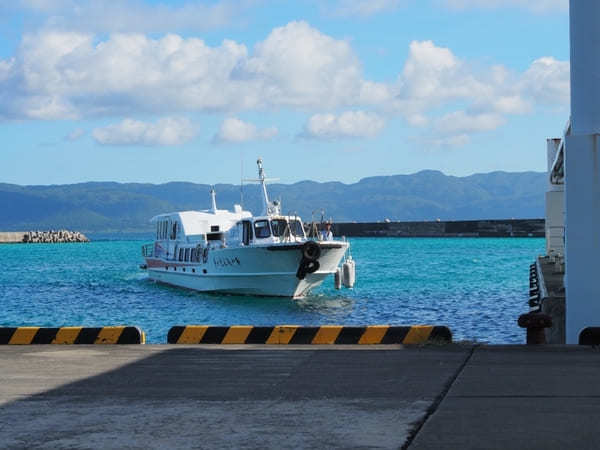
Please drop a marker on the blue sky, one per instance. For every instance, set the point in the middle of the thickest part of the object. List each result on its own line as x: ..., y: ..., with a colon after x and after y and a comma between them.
x: 158, y: 91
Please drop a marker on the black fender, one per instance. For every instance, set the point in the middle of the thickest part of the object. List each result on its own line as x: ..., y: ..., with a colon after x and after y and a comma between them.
x: 307, y: 266
x: 311, y: 251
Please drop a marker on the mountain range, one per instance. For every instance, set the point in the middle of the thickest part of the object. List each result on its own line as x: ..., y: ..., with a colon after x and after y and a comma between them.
x: 426, y: 195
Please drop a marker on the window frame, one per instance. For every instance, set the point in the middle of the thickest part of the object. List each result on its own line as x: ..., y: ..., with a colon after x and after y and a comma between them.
x: 268, y: 227
x: 273, y: 227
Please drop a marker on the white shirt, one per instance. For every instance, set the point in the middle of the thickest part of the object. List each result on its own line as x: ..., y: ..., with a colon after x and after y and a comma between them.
x: 327, y: 235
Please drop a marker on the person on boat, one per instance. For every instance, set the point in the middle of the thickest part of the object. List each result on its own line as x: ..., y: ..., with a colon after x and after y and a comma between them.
x: 327, y: 234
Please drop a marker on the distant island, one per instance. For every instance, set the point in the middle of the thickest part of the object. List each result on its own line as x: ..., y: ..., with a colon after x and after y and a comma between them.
x: 426, y: 195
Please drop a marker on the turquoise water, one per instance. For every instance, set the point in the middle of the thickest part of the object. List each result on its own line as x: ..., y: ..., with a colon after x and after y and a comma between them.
x: 478, y: 287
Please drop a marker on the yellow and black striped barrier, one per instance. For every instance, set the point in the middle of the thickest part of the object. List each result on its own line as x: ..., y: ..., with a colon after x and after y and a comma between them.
x: 292, y: 334
x: 71, y: 335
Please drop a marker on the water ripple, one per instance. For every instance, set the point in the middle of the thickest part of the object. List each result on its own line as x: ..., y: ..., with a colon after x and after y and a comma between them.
x: 478, y: 287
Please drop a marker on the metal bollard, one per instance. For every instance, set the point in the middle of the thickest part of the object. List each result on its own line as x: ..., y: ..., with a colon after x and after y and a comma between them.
x: 535, y: 323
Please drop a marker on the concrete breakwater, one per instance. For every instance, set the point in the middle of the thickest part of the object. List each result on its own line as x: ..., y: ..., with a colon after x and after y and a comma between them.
x: 34, y: 237
x: 459, y: 228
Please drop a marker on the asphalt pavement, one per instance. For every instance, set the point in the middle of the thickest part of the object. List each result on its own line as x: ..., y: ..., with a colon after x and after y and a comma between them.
x: 178, y: 396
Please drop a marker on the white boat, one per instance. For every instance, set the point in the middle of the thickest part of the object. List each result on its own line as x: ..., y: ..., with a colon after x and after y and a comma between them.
x: 233, y: 252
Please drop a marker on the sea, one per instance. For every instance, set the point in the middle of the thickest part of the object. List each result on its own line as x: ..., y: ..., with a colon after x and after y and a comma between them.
x: 476, y: 286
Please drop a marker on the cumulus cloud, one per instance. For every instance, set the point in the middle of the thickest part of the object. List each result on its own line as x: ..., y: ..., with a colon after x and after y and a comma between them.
x: 546, y: 81
x: 63, y: 75
x: 348, y: 124
x: 537, y: 6
x: 67, y: 74
x: 480, y: 99
x: 168, y: 131
x: 234, y: 130
x: 299, y: 66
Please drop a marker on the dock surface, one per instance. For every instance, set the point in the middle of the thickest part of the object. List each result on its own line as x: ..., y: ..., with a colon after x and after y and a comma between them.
x: 177, y: 396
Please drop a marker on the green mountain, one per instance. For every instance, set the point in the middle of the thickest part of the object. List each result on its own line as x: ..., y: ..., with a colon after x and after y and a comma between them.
x: 426, y: 195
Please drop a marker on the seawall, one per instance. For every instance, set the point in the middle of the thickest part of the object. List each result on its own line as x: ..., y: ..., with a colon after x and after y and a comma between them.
x: 35, y: 237
x: 459, y: 228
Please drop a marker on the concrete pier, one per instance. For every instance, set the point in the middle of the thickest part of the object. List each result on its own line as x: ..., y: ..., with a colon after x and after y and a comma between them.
x: 552, y: 296
x: 163, y: 396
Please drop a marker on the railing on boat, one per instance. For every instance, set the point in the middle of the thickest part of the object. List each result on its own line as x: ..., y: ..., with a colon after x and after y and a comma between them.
x: 148, y: 250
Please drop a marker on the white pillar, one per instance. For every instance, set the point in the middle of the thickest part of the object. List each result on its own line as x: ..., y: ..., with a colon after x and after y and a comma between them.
x: 582, y: 172
x: 584, y: 20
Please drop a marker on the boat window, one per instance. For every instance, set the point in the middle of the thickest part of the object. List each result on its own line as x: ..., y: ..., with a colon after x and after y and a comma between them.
x: 193, y: 255
x: 246, y: 232
x: 174, y: 231
x: 180, y: 254
x: 214, y: 228
x: 261, y: 229
x: 279, y: 227
x: 187, y: 254
x: 296, y: 227
x: 214, y: 236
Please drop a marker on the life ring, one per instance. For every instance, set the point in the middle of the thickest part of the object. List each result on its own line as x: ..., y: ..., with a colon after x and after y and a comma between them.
x: 311, y: 251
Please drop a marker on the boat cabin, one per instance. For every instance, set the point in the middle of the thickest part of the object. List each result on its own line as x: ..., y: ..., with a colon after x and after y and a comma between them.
x: 183, y: 236
x: 266, y: 230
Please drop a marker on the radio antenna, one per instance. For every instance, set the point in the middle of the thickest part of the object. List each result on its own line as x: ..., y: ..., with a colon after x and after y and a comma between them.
x: 242, y: 180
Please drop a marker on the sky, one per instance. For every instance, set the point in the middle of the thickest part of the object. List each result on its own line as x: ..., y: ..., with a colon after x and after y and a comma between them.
x: 331, y: 90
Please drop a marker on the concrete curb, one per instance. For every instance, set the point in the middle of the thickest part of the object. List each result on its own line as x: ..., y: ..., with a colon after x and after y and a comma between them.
x: 306, y: 335
x: 71, y: 335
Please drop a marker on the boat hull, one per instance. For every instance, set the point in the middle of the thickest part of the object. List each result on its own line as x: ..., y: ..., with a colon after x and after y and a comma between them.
x: 262, y: 271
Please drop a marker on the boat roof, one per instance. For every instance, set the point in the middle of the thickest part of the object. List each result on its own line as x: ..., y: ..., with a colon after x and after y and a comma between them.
x: 199, y: 222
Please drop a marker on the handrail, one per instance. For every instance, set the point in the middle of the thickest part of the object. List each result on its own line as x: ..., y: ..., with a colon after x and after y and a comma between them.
x: 148, y: 250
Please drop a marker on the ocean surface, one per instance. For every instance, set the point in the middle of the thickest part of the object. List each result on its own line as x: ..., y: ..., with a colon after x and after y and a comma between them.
x: 476, y: 286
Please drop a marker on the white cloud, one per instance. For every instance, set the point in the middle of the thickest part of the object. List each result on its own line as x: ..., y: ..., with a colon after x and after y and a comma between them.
x: 135, y: 15
x: 364, y: 8
x: 167, y: 131
x: 461, y: 122
x: 66, y: 74
x: 62, y: 75
x: 537, y: 6
x: 547, y: 81
x: 348, y: 124
x: 6, y: 68
x: 481, y: 99
x: 299, y: 66
x: 453, y: 141
x: 75, y: 135
x: 433, y: 76
x: 234, y: 130
x: 455, y: 129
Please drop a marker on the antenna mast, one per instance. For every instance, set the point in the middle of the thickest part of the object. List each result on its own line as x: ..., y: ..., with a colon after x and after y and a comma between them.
x: 242, y: 181
x: 269, y: 207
